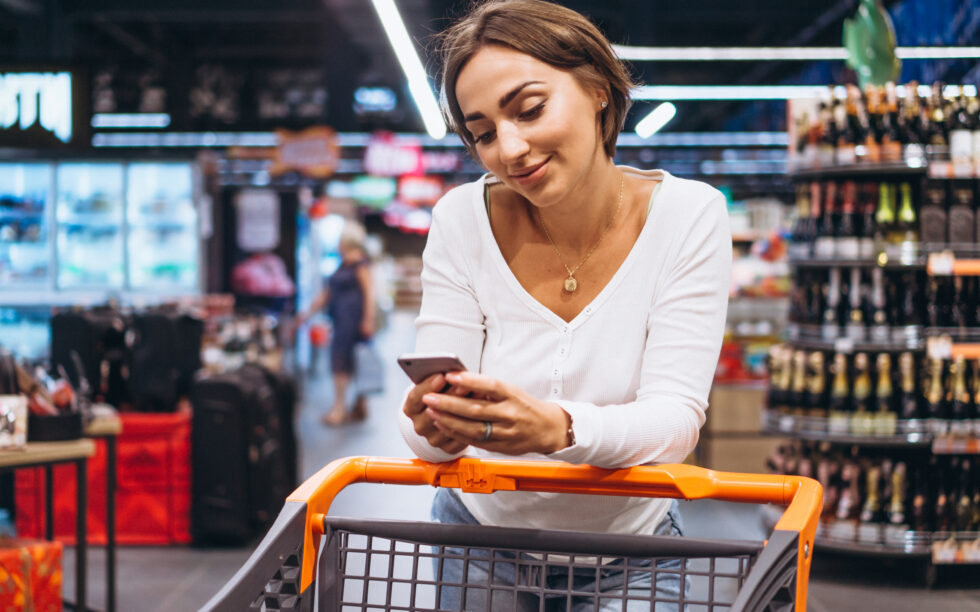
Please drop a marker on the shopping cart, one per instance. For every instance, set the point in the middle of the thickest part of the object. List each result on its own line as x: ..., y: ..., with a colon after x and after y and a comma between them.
x: 367, y: 564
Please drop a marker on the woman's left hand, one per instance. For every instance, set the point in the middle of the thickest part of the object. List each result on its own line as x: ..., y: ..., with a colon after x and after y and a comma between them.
x: 519, y: 423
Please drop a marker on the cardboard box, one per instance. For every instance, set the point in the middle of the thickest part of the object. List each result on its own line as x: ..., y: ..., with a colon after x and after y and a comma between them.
x: 738, y: 454
x: 30, y: 575
x: 735, y: 409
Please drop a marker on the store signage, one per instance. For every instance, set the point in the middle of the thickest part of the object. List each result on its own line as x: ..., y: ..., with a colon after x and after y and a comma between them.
x: 387, y: 155
x: 373, y: 191
x: 314, y: 152
x: 258, y: 220
x: 37, y: 101
x: 420, y: 190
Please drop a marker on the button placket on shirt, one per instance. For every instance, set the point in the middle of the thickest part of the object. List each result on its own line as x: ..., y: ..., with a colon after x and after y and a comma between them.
x: 561, y: 354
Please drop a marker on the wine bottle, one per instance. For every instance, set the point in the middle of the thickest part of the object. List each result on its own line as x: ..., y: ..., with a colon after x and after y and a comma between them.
x: 960, y: 137
x: 885, y: 216
x: 921, y: 518
x: 962, y: 219
x: 868, y: 205
x: 856, y: 328
x: 831, y: 322
x: 942, y: 512
x: 933, y: 215
x: 845, y: 128
x: 848, y: 246
x: 906, y: 231
x: 828, y: 133
x: 975, y: 390
x: 799, y: 247
x: 848, y: 507
x: 964, y: 498
x: 828, y: 476
x: 891, y: 145
x: 896, y: 505
x: 840, y: 396
x: 816, y: 385
x: 958, y: 306
x: 973, y: 110
x: 880, y: 329
x: 871, y: 510
x: 797, y: 391
x: 776, y: 393
x: 825, y: 243
x: 868, y: 124
x: 885, y: 422
x: 935, y: 397
x: 861, y: 415
x: 937, y: 142
x: 910, y: 406
x: 958, y: 398
x: 913, y: 139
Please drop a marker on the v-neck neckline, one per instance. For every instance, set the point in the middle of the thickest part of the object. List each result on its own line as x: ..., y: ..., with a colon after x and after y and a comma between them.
x: 524, y: 295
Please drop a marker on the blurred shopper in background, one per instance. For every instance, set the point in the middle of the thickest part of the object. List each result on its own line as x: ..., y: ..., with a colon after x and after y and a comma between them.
x: 587, y: 300
x: 347, y: 298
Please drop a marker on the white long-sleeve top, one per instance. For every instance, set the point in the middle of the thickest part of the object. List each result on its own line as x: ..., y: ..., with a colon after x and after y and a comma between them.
x: 633, y: 368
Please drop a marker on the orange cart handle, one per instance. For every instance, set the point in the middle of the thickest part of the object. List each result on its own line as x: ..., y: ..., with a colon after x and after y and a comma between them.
x: 803, y: 496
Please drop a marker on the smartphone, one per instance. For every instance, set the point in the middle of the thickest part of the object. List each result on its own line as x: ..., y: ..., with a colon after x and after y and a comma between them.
x: 420, y: 366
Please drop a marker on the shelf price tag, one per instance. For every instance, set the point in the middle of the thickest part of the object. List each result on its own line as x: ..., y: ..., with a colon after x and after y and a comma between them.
x: 939, y: 347
x: 941, y: 264
x: 940, y: 169
x: 844, y: 345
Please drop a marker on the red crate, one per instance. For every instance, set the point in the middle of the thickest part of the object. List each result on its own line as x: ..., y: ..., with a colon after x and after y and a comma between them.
x: 152, y: 496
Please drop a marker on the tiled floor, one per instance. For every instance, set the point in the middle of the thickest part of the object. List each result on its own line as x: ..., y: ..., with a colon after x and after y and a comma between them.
x: 165, y: 579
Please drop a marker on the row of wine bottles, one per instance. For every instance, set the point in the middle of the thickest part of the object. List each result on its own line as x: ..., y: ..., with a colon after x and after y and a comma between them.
x: 867, y: 393
x: 870, y: 303
x: 858, y: 220
x: 880, y: 125
x: 921, y: 493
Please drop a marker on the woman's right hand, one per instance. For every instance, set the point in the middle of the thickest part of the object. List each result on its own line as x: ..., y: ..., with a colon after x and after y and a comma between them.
x: 423, y: 423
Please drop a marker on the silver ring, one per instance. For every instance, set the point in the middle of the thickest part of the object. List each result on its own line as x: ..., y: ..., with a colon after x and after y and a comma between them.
x: 487, y: 431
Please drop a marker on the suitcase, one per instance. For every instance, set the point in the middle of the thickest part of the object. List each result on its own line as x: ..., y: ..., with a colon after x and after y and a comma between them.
x: 91, y: 347
x: 239, y: 470
x: 153, y: 363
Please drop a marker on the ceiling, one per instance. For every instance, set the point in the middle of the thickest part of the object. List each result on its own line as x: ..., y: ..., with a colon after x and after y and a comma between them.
x: 343, y: 39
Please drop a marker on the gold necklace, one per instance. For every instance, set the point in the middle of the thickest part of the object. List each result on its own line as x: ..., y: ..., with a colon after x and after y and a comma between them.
x: 570, y: 283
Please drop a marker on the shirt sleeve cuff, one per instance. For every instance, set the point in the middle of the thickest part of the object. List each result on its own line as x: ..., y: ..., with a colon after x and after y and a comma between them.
x: 586, y: 426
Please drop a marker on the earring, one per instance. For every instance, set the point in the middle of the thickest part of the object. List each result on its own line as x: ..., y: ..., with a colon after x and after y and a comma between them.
x: 603, y: 104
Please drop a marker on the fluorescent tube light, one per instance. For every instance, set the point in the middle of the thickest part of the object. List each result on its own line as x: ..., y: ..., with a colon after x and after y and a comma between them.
x: 728, y: 92
x: 130, y: 120
x: 418, y: 80
x: 658, y: 117
x: 704, y: 54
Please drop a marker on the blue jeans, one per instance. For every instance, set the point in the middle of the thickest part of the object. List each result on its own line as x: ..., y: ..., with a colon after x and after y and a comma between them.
x: 447, y: 508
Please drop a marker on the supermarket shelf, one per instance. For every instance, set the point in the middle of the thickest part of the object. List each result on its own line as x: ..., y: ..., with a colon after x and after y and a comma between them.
x: 809, y: 337
x: 19, y: 213
x: 908, y: 433
x: 914, y: 165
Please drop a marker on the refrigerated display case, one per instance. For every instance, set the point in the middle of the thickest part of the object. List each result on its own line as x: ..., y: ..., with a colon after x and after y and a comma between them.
x: 90, y: 222
x: 162, y: 226
x: 24, y: 225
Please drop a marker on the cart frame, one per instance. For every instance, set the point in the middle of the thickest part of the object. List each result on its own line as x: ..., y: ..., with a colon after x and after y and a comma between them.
x: 284, y: 564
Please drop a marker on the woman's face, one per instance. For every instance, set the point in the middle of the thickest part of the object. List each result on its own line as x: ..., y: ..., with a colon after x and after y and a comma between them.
x: 535, y: 126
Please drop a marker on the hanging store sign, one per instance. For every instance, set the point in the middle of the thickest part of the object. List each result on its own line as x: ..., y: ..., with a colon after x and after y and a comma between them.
x: 420, y: 190
x: 314, y: 152
x: 40, y: 109
x: 387, y: 155
x: 373, y: 191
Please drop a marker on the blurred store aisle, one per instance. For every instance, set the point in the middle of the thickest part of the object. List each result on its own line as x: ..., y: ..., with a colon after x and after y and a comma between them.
x: 179, y: 579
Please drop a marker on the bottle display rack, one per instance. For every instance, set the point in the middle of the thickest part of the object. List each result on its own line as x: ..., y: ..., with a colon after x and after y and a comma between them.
x: 877, y: 383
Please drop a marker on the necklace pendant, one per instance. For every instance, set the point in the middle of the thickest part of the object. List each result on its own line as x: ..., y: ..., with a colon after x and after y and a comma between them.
x: 571, y: 284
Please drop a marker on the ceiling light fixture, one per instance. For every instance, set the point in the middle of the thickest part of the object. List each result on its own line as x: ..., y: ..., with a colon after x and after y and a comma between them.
x: 728, y: 92
x: 418, y: 80
x: 658, y: 117
x: 702, y: 54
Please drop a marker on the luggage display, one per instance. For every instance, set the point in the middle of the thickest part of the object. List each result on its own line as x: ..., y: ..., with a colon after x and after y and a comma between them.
x: 91, y: 347
x: 153, y: 370
x: 241, y: 469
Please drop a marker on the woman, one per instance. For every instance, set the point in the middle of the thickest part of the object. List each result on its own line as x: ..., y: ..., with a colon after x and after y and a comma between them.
x: 348, y: 297
x: 587, y: 300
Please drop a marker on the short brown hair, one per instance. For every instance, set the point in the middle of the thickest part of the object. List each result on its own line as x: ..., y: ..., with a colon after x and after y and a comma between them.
x: 553, y: 34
